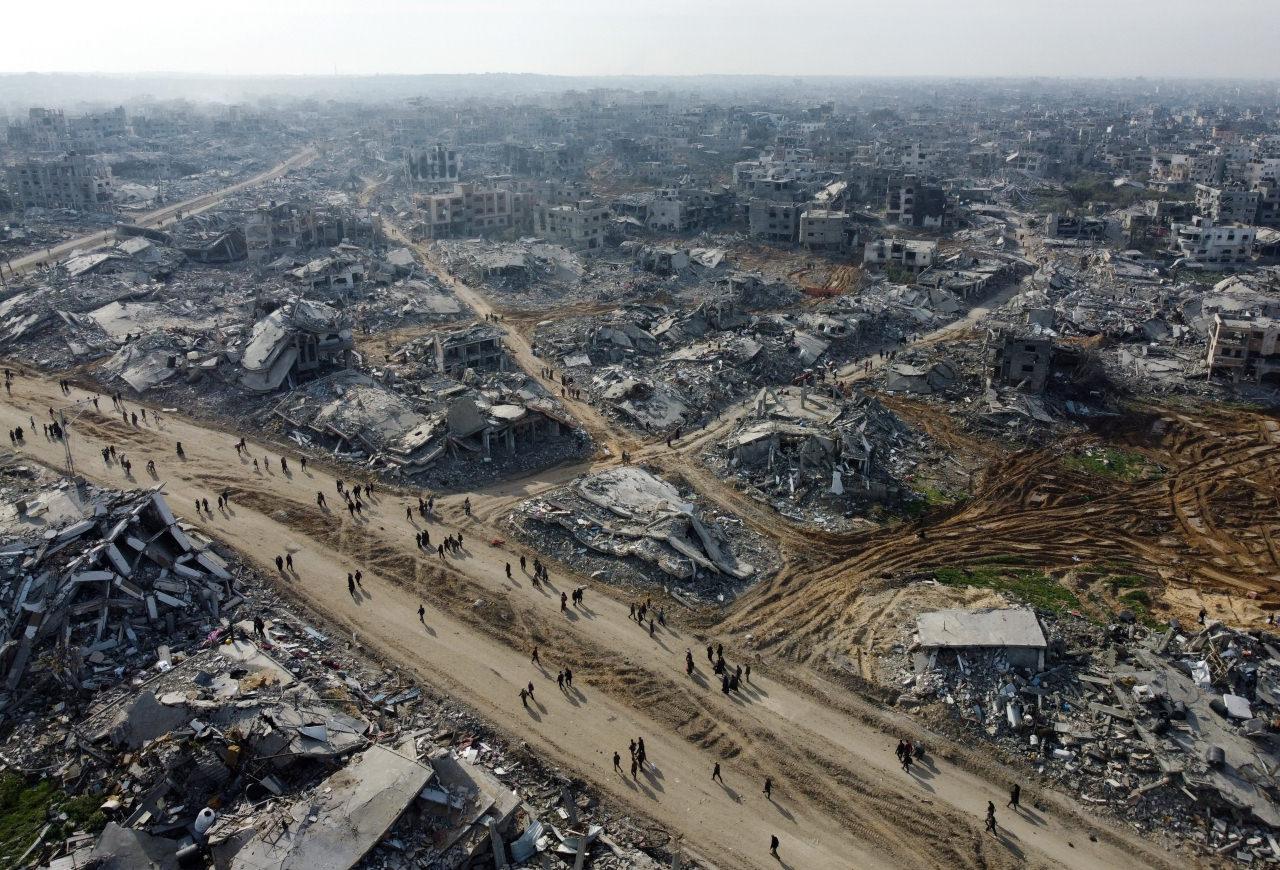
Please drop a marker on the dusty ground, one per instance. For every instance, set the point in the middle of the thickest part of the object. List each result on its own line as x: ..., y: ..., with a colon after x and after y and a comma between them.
x: 1202, y: 531
x: 838, y: 791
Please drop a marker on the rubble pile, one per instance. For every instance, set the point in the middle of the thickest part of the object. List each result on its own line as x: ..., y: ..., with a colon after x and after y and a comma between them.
x: 205, y: 739
x: 820, y: 455
x: 88, y: 600
x: 1172, y: 729
x: 628, y: 526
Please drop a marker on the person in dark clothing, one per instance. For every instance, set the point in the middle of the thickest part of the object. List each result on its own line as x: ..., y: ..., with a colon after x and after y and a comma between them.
x: 715, y: 774
x: 617, y: 762
x: 351, y: 586
x: 634, y: 768
x: 280, y: 564
x: 288, y: 561
x: 422, y: 614
x: 1015, y: 794
x: 773, y: 846
x: 768, y: 788
x: 991, y: 817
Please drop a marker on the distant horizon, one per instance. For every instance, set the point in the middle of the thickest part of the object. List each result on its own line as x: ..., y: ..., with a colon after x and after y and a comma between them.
x: 1275, y: 78
x: 1094, y: 39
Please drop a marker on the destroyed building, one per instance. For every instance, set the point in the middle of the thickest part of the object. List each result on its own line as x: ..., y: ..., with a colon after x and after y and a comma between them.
x: 630, y: 514
x: 298, y: 338
x: 1021, y: 361
x: 75, y: 181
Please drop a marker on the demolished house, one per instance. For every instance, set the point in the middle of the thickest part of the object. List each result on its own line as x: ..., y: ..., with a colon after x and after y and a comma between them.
x: 299, y: 337
x: 407, y: 431
x: 819, y: 448
x: 629, y: 513
x: 1169, y: 727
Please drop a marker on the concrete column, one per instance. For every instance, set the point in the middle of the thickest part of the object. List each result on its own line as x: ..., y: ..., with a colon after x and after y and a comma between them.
x: 499, y: 848
x: 566, y: 800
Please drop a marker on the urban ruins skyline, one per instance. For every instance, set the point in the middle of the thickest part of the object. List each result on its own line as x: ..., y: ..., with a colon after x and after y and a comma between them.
x: 473, y: 471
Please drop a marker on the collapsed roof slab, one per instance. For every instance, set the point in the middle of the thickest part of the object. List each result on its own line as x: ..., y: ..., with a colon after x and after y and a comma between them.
x: 343, y: 818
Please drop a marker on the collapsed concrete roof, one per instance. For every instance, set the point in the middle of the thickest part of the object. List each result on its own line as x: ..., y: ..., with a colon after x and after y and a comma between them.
x: 959, y: 628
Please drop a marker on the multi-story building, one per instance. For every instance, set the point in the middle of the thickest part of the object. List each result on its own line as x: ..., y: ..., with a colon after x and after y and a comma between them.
x: 73, y: 182
x: 774, y: 220
x: 1227, y: 204
x: 826, y: 230
x: 1201, y: 241
x: 579, y: 226
x: 469, y: 209
x: 275, y: 228
x: 1244, y: 347
x: 436, y: 166
x: 912, y: 203
x: 1021, y: 361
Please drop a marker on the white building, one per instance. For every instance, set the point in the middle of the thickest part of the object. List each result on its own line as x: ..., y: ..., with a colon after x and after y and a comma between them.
x: 910, y: 253
x: 1203, y: 242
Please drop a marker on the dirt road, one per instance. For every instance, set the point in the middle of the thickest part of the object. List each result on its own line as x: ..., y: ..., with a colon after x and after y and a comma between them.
x: 840, y: 801
x: 168, y: 214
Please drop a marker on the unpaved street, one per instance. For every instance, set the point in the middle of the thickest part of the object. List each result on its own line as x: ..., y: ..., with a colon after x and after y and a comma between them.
x: 840, y: 800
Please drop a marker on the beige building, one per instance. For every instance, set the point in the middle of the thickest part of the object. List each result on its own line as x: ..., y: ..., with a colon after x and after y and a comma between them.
x: 1245, y: 348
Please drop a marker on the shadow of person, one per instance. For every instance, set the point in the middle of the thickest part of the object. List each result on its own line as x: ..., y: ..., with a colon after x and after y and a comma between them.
x: 1007, y: 840
x: 732, y: 793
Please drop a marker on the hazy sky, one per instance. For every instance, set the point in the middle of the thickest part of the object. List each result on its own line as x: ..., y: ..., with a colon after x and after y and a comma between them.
x: 1225, y: 38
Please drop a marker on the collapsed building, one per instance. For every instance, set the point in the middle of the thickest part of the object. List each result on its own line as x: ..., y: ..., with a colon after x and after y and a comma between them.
x: 297, y: 338
x: 1168, y: 727
x: 406, y: 432
x: 630, y: 514
x: 134, y: 680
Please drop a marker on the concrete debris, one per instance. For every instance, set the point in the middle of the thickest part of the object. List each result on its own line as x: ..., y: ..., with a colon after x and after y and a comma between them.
x: 629, y: 514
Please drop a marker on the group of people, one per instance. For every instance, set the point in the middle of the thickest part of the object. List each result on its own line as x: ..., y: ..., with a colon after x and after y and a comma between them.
x: 452, y: 544
x: 638, y: 757
x: 908, y: 753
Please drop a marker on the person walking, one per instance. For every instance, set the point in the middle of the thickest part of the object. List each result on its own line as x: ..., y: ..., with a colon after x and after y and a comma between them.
x: 634, y: 767
x: 768, y: 788
x: 773, y: 846
x: 715, y: 774
x: 288, y: 561
x: 563, y: 599
x: 351, y: 586
x: 906, y: 761
x: 524, y: 698
x: 991, y: 818
x: 422, y: 614
x: 560, y: 679
x: 568, y: 677
x: 1015, y: 795
x: 359, y: 578
x: 617, y: 762
x: 533, y: 659
x: 280, y: 564
x: 320, y: 500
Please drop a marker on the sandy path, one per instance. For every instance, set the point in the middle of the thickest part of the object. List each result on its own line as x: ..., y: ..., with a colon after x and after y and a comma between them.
x: 840, y: 801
